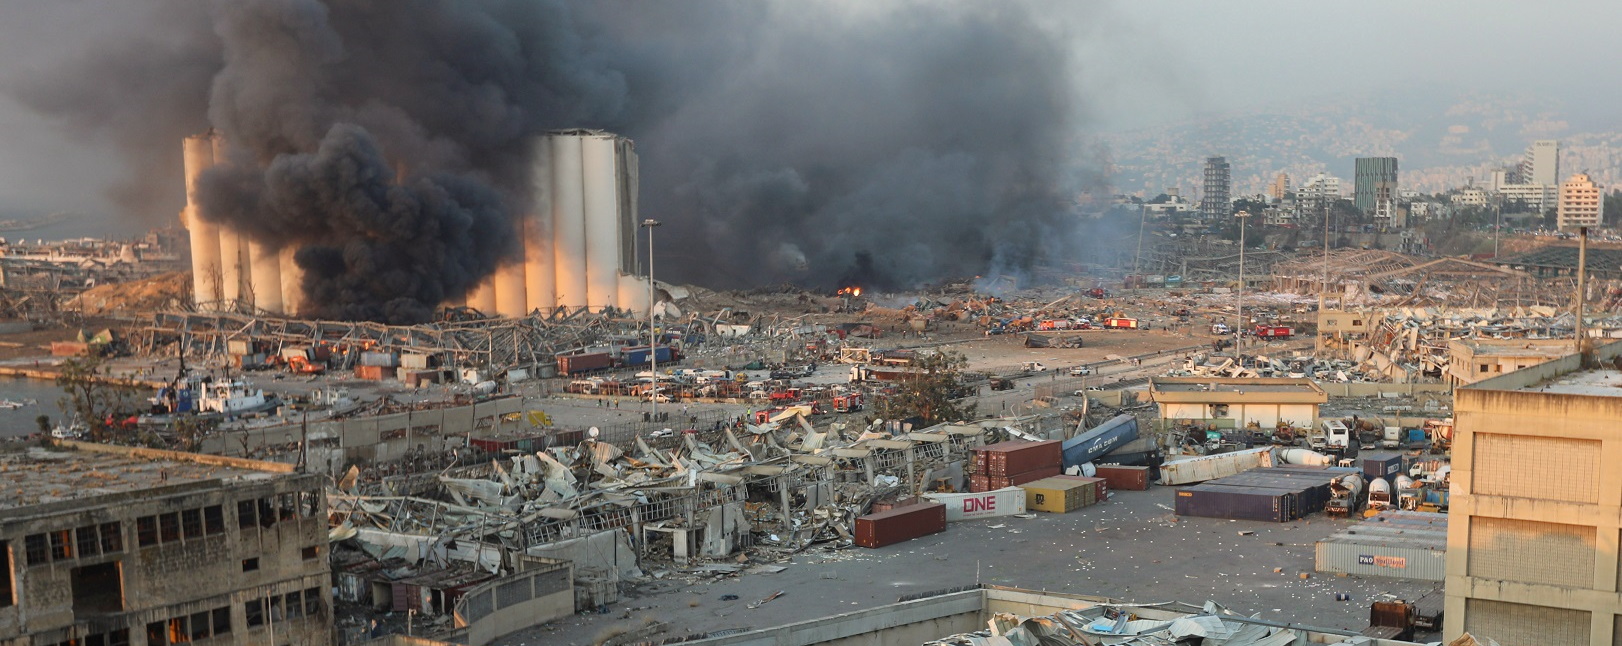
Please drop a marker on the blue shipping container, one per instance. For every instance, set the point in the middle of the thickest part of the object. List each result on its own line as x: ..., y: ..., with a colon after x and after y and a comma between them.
x: 1096, y: 443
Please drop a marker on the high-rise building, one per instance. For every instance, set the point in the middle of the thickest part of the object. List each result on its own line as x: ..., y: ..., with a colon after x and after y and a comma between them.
x: 1317, y: 194
x: 1280, y: 188
x: 1217, y: 202
x: 1374, y: 186
x: 1533, y: 525
x: 1542, y: 163
x: 1581, y: 203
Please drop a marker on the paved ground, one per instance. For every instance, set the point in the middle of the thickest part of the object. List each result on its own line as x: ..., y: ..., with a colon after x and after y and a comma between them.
x: 1131, y: 547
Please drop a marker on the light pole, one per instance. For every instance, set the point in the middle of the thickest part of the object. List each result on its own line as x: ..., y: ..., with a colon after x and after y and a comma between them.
x: 1239, y: 331
x: 653, y: 337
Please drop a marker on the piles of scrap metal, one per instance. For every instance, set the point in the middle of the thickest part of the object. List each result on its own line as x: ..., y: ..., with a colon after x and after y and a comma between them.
x: 1117, y: 624
x: 1295, y: 367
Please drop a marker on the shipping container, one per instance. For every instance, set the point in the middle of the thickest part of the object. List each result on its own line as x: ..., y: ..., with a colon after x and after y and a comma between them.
x: 1013, y: 457
x: 414, y: 361
x: 1238, y: 503
x: 1058, y: 496
x: 638, y: 355
x: 383, y: 359
x: 574, y: 364
x: 900, y: 524
x: 1384, y: 464
x: 1098, y: 441
x: 1125, y: 478
x: 374, y: 373
x: 1394, y: 544
x: 986, y: 504
x: 891, y: 503
x: 980, y: 482
x: 1100, y: 485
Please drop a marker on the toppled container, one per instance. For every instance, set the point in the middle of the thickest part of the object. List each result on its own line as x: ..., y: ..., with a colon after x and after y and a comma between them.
x: 1100, y: 485
x: 1125, y: 478
x: 900, y: 524
x: 987, y: 504
x: 1014, y: 457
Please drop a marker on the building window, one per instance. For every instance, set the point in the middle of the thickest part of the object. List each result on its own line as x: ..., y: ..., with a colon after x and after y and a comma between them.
x: 213, y: 520
x: 87, y: 542
x: 306, y: 504
x: 155, y: 633
x: 311, y: 552
x: 169, y: 527
x: 267, y: 512
x: 62, y: 545
x: 222, y: 621
x: 191, y: 522
x: 250, y: 565
x: 294, y: 604
x: 146, y: 531
x: 245, y: 514
x: 39, y: 549
x: 112, y: 538
x: 199, y: 625
x: 254, y: 612
x: 1483, y: 367
x: 289, y: 506
x: 312, y: 602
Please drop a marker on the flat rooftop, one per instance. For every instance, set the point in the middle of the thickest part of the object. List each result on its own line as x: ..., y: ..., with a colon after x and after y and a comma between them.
x: 1219, y: 390
x: 1603, y: 382
x: 1546, y: 348
x: 1234, y: 388
x: 38, y: 475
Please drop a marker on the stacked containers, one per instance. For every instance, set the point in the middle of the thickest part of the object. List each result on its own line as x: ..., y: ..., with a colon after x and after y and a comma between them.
x: 900, y: 524
x: 1125, y: 478
x: 1013, y: 463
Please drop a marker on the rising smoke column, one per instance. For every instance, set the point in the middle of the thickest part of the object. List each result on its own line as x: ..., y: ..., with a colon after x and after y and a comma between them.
x: 779, y: 140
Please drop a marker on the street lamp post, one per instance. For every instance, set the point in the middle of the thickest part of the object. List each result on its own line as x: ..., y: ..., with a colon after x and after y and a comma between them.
x: 653, y: 337
x: 1239, y: 331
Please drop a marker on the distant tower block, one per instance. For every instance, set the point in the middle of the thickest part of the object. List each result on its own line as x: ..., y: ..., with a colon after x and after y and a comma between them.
x: 198, y: 155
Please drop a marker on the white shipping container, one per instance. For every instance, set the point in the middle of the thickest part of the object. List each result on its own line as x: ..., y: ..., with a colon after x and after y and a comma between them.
x: 990, y: 504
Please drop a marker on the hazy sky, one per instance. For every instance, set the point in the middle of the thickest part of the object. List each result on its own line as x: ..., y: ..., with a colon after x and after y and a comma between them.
x: 1140, y: 62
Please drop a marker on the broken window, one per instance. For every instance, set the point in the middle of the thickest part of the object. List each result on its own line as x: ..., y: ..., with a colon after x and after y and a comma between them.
x: 289, y: 506
x: 255, y: 612
x: 62, y: 545
x: 306, y: 504
x: 199, y: 625
x: 312, y: 602
x: 39, y: 549
x: 112, y: 538
x: 191, y: 521
x: 311, y: 552
x: 86, y: 541
x: 98, y: 589
x: 178, y: 634
x: 245, y: 514
x: 8, y: 596
x: 267, y: 512
x: 250, y: 565
x: 222, y: 621
x: 169, y: 527
x: 155, y: 634
x: 295, y: 604
x: 146, y: 531
x: 213, y: 520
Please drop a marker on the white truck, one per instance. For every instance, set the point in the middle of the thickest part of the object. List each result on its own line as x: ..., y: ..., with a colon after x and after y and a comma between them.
x: 1331, y: 433
x: 1033, y: 366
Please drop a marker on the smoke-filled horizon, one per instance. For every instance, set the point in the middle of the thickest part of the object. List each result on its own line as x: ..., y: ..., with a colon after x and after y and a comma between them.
x: 814, y: 143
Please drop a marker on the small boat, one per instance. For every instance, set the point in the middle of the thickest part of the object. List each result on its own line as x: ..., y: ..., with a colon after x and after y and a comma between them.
x: 73, y: 431
x: 7, y: 404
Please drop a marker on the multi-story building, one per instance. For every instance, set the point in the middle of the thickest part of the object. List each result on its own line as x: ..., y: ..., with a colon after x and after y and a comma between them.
x: 1534, y: 512
x: 112, y: 546
x: 1218, y: 200
x: 1542, y: 163
x: 1317, y: 194
x: 1280, y: 188
x: 1374, y: 185
x: 1469, y: 197
x: 1581, y: 203
x: 1473, y: 360
x: 1539, y: 197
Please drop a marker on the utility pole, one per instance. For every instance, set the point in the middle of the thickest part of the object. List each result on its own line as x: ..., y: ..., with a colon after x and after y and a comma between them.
x: 1143, y: 217
x: 1582, y: 294
x: 653, y: 337
x: 1239, y: 328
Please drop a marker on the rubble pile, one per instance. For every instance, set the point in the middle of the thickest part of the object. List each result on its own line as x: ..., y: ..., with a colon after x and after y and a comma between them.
x: 1125, y: 623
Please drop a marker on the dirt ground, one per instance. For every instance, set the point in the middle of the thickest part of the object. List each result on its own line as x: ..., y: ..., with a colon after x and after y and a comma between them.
x: 1131, y: 547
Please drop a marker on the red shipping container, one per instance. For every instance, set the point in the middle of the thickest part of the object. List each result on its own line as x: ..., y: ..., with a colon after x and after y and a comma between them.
x: 980, y: 483
x: 1102, y: 487
x: 1008, y: 458
x: 373, y: 373
x: 900, y: 524
x: 1125, y: 478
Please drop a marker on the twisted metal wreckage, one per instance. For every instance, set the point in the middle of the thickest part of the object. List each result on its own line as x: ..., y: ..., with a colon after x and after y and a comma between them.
x: 785, y: 482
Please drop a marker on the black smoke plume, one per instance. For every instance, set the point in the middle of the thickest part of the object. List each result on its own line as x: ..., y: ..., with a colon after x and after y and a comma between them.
x: 779, y: 141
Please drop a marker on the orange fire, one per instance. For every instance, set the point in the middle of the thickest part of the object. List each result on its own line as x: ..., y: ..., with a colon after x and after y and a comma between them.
x: 851, y: 291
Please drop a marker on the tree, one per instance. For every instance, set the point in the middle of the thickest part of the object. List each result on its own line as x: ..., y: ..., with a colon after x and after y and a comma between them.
x: 928, y: 392
x: 91, y: 393
x: 44, y: 422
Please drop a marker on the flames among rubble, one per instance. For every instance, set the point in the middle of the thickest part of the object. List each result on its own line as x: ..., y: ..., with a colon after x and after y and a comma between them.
x: 852, y: 291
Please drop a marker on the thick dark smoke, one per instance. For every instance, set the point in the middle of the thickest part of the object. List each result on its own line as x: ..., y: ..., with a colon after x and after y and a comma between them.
x: 778, y: 140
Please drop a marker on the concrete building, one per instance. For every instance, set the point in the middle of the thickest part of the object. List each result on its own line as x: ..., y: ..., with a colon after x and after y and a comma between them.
x: 1469, y: 197
x: 1582, y: 203
x: 1536, y: 196
x: 1472, y: 360
x: 104, y: 545
x: 1218, y: 197
x: 1280, y: 188
x: 1316, y: 194
x: 1374, y: 186
x: 1542, y: 163
x: 1534, y: 519
x: 1237, y: 402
